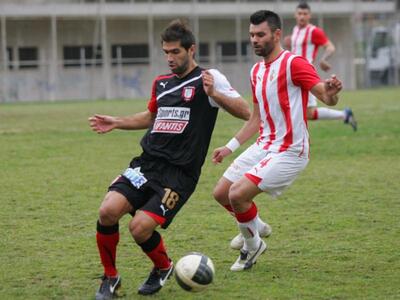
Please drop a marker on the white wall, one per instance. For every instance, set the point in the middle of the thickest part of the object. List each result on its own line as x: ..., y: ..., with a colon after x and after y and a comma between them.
x: 135, y: 80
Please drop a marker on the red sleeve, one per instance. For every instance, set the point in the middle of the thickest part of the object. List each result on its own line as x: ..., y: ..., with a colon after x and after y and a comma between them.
x: 303, y: 73
x: 152, y: 105
x: 318, y: 37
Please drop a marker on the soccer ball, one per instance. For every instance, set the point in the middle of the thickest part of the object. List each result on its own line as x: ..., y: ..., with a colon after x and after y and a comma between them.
x: 194, y: 272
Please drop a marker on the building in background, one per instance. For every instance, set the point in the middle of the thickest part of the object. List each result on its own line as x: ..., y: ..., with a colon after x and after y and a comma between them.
x: 77, y: 49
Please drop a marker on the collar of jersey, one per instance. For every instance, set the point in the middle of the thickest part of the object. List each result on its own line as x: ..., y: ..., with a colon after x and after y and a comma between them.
x: 188, y: 74
x: 272, y: 61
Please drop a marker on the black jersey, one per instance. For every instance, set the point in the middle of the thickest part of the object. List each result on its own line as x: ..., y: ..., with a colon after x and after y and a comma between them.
x: 184, y: 123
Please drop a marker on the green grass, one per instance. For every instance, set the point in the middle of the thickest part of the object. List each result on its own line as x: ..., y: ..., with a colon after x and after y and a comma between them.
x: 336, y: 229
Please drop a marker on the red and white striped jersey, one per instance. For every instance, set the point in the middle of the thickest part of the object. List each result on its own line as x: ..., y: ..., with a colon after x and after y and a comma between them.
x: 280, y: 88
x: 306, y: 41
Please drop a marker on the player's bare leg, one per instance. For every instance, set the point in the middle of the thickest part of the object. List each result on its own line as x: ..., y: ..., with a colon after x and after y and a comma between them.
x: 324, y: 113
x: 221, y: 192
x: 241, y: 194
x: 113, y: 207
x: 142, y: 228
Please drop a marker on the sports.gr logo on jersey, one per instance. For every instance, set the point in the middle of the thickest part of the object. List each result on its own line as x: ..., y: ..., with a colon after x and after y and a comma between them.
x: 171, y: 120
x: 173, y: 113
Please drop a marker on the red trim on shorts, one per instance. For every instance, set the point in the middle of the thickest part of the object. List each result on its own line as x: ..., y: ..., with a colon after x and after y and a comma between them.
x: 256, y: 180
x: 115, y: 180
x: 160, y: 220
x: 247, y: 216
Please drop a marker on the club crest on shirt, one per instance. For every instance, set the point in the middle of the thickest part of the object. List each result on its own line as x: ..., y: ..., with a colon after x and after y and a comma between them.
x: 188, y: 93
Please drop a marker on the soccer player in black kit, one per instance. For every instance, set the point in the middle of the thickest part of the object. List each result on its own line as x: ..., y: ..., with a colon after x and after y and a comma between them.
x: 179, y: 120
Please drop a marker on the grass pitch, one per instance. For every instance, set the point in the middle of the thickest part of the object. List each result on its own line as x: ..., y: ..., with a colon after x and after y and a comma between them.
x: 336, y: 230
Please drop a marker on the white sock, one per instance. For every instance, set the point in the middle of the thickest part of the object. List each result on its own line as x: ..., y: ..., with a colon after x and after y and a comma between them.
x: 250, y: 234
x: 260, y: 223
x: 330, y: 114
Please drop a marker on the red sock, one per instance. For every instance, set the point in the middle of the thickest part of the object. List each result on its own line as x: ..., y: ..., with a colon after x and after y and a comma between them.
x: 248, y: 215
x: 229, y: 208
x: 156, y: 251
x: 107, y: 245
x: 159, y: 256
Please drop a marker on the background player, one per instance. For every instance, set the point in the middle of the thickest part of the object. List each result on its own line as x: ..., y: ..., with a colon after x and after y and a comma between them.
x: 281, y: 151
x: 305, y: 40
x: 180, y: 120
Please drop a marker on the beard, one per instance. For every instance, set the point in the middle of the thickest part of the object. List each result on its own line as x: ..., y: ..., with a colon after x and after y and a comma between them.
x: 180, y: 69
x: 266, y: 50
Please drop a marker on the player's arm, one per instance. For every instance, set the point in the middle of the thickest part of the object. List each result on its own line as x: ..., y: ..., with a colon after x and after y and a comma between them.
x: 249, y: 128
x: 220, y: 92
x: 305, y: 76
x: 104, y: 123
x: 329, y: 49
x: 328, y: 91
x: 319, y: 38
x: 141, y: 120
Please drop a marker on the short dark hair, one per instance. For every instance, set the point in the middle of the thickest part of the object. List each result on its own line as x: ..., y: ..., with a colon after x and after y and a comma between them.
x: 177, y: 30
x: 303, y: 5
x: 273, y: 20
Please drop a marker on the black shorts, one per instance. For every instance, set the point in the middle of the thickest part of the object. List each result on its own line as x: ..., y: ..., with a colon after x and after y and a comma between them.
x: 155, y: 187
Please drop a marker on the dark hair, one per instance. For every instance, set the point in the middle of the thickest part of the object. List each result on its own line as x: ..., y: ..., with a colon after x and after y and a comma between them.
x: 303, y: 5
x: 177, y: 30
x: 273, y: 20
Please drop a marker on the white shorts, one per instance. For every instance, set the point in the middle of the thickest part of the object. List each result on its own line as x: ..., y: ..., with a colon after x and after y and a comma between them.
x: 271, y: 172
x: 312, y: 100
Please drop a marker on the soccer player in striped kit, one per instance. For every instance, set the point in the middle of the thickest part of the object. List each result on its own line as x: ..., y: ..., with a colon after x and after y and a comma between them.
x: 280, y: 82
x: 305, y: 40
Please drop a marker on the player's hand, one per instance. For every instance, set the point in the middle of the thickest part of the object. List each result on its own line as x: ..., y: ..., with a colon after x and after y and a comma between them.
x: 333, y: 85
x: 325, y: 66
x: 102, y: 123
x: 219, y: 154
x: 208, y: 83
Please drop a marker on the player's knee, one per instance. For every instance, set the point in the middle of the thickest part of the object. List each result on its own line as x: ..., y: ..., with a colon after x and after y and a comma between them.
x: 107, y: 215
x: 139, y: 231
x: 236, y: 195
x: 220, y: 195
